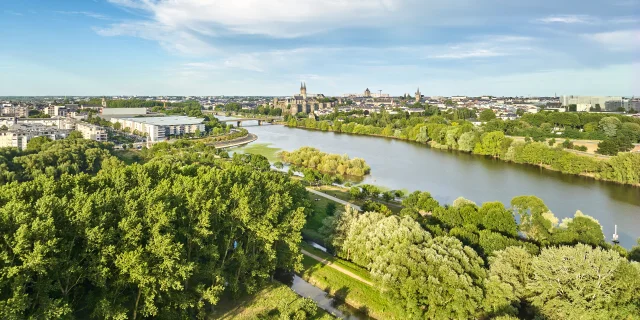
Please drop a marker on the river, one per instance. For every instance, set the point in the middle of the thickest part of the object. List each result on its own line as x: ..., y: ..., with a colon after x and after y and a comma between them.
x: 447, y: 175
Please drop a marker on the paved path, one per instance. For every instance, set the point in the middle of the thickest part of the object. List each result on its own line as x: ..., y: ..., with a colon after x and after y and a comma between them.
x: 236, y: 142
x: 332, y: 198
x: 332, y: 265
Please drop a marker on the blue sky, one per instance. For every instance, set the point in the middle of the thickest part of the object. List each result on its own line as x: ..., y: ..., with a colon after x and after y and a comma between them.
x: 267, y: 47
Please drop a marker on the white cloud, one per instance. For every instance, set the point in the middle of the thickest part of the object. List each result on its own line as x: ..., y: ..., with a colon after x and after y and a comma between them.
x: 282, y: 18
x: 478, y: 53
x: 487, y: 47
x: 85, y: 13
x: 13, y: 13
x: 568, y: 19
x: 621, y: 40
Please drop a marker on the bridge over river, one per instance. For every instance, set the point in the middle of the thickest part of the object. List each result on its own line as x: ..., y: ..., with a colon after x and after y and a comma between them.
x: 260, y: 120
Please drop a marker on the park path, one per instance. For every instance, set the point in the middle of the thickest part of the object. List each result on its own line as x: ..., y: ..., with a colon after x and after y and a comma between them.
x: 338, y: 268
x: 332, y: 198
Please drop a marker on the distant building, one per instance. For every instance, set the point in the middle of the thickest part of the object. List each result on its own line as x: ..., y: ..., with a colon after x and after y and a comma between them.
x: 418, y: 96
x: 591, y: 103
x: 303, y: 102
x: 92, y: 132
x: 367, y: 93
x: 159, y: 128
x: 10, y: 110
x: 108, y: 113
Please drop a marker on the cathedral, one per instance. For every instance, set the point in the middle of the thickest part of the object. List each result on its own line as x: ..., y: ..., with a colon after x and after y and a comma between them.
x: 303, y: 102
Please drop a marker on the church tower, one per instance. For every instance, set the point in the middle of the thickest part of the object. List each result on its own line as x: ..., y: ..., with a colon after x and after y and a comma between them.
x: 418, y: 96
x: 303, y: 90
x: 367, y: 93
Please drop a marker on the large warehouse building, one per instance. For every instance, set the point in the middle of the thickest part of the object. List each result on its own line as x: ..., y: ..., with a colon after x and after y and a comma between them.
x: 159, y: 128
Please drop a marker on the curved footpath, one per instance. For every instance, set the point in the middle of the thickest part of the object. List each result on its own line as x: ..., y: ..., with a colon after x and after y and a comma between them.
x: 332, y: 198
x: 332, y: 265
x: 236, y: 142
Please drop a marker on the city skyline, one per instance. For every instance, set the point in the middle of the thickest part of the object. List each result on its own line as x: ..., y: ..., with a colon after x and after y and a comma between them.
x: 131, y: 47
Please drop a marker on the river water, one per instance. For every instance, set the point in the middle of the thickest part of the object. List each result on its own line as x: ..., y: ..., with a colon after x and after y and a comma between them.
x: 447, y: 175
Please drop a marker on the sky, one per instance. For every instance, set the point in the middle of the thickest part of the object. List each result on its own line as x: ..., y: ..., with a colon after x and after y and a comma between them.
x: 267, y: 47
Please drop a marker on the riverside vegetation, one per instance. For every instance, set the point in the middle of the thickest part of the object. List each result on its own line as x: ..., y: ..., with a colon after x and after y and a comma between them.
x: 87, y: 236
x: 313, y: 158
x: 487, y: 140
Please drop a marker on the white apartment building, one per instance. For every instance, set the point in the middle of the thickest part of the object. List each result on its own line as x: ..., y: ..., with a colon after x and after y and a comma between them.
x: 159, y: 128
x: 92, y: 132
x: 14, y: 139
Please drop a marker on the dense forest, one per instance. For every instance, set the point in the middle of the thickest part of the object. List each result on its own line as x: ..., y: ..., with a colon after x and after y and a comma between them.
x: 326, y: 163
x: 86, y: 236
x: 168, y: 236
x: 463, y: 136
x: 468, y: 261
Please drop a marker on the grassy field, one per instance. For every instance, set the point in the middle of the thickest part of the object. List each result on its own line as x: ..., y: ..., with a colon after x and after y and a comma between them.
x: 269, y: 303
x: 343, y: 194
x: 262, y: 149
x: 352, y: 267
x: 355, y: 293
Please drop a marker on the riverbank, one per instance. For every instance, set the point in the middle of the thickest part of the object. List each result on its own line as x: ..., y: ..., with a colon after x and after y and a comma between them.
x: 250, y: 137
x: 564, y: 162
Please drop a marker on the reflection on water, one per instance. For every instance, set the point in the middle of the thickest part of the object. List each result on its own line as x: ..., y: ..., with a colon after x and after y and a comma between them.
x: 448, y: 174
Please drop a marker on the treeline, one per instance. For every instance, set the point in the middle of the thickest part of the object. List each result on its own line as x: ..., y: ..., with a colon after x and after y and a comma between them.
x: 464, y: 261
x: 165, y: 239
x: 137, y: 103
x: 618, y: 132
x: 259, y: 110
x: 326, y: 163
x: 463, y: 136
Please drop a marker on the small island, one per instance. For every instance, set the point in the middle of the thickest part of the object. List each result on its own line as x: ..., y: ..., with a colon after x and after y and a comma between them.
x: 325, y: 162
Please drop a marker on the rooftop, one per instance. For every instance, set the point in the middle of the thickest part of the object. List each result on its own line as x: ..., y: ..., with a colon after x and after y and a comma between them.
x: 166, y: 121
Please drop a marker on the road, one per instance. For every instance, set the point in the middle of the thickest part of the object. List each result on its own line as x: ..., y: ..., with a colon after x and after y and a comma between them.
x: 338, y: 268
x: 332, y: 198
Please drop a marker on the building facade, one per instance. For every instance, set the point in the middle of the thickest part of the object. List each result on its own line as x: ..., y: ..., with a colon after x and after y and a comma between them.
x: 160, y: 128
x: 303, y: 102
x: 92, y: 132
x: 593, y: 103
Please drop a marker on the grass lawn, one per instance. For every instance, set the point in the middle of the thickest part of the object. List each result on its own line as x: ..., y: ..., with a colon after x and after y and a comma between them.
x: 266, y: 304
x: 343, y: 194
x: 355, y: 293
x: 356, y: 269
x: 262, y: 149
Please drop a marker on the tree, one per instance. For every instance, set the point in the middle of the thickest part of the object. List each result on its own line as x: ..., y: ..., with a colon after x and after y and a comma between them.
x: 610, y: 125
x: 583, y: 283
x: 373, y: 206
x: 356, y: 193
x: 35, y: 144
x: 278, y: 165
x: 330, y: 208
x: 337, y: 229
x: 581, y: 228
x: 467, y: 141
x: 75, y: 135
x: 509, y: 272
x: 487, y: 115
x: 421, y: 201
x: 165, y: 239
x: 416, y: 274
x: 634, y: 254
x: 493, y: 144
x: 609, y: 147
x: 4, y: 128
x: 497, y: 218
